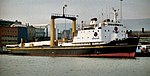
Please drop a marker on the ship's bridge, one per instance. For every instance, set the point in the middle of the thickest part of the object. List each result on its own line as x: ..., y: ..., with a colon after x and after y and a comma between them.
x: 108, y: 22
x: 114, y: 24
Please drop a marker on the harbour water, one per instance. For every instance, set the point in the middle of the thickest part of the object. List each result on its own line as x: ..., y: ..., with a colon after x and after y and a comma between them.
x: 11, y: 65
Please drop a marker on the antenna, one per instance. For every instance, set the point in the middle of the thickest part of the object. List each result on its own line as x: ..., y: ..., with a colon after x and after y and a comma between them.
x: 121, y: 10
x: 99, y: 17
x: 106, y: 11
x: 109, y: 11
x: 102, y: 14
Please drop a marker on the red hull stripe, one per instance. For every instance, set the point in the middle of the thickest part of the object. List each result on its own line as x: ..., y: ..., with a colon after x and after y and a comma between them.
x: 132, y: 54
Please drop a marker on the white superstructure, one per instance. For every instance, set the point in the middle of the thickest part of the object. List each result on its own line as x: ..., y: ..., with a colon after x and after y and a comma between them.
x: 102, y: 33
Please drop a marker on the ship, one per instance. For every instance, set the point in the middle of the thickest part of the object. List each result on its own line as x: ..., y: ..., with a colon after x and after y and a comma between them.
x: 107, y: 38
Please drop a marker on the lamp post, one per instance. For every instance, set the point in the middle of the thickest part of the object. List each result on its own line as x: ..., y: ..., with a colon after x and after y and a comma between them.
x: 77, y: 21
x: 65, y: 19
x: 63, y: 9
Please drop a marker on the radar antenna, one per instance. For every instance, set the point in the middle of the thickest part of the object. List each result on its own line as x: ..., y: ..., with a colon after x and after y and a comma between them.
x: 115, y: 12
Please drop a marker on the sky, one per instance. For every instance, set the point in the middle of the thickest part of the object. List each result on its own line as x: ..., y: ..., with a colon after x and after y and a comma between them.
x: 39, y: 11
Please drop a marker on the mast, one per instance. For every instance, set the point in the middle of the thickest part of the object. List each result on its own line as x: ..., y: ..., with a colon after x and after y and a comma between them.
x: 115, y: 12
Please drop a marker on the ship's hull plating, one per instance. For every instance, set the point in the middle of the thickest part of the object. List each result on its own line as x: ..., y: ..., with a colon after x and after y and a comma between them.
x: 118, y: 48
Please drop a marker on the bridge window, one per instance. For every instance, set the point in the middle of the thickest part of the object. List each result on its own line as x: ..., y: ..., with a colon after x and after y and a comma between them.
x: 99, y: 27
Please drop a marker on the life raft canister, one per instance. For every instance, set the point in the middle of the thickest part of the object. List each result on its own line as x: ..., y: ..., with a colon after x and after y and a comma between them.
x: 116, y: 29
x: 95, y: 34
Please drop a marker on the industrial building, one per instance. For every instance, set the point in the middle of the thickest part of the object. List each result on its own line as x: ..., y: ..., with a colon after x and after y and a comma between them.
x: 22, y: 33
x: 8, y: 35
x: 6, y: 22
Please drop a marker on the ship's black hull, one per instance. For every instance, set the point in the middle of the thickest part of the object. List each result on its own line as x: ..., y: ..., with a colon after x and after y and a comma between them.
x: 118, y: 48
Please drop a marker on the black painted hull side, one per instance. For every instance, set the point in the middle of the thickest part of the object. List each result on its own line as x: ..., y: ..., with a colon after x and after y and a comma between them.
x: 119, y: 48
